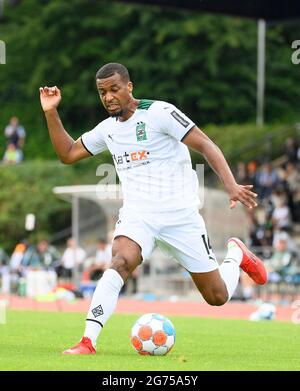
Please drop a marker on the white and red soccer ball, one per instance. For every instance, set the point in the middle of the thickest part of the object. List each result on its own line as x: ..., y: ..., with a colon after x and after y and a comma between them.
x: 153, y: 334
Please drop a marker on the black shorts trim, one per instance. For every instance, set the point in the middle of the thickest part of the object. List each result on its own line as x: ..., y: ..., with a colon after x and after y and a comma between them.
x: 187, y: 133
x: 85, y: 147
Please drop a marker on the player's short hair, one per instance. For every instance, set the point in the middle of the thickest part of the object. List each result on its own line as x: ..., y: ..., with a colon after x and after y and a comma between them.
x: 110, y: 69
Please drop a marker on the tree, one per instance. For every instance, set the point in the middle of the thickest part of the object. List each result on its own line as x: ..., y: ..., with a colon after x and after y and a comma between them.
x: 204, y: 64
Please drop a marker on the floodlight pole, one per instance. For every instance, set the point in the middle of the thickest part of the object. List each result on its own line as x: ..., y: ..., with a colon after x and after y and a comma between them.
x: 75, y: 219
x: 75, y: 236
x: 1, y: 8
x: 261, y: 48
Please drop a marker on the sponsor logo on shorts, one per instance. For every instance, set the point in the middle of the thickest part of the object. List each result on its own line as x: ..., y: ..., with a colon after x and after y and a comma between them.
x: 97, y: 311
x: 180, y: 119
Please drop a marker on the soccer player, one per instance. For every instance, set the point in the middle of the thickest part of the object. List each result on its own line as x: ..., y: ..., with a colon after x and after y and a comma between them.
x: 149, y: 143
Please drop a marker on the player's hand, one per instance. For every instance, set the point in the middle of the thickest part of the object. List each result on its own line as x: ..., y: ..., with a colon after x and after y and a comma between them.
x: 50, y: 97
x: 244, y: 195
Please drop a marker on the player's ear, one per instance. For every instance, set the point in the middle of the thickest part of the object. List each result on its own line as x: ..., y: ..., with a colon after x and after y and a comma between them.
x: 130, y: 87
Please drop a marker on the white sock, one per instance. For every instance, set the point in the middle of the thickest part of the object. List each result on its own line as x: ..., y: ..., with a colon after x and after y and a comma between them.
x: 230, y: 268
x: 103, y: 303
x: 234, y: 252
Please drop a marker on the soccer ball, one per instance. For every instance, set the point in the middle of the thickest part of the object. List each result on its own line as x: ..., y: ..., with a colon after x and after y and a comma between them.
x: 153, y: 334
x: 266, y: 311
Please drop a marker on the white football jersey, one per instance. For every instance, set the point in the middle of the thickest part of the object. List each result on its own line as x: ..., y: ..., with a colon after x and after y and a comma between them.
x: 153, y: 165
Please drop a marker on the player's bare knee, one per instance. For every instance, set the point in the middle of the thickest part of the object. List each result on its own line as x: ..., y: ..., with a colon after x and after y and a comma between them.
x: 216, y: 299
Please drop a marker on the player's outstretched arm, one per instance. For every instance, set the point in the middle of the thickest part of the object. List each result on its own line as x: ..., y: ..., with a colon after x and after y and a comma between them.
x: 68, y: 150
x: 200, y: 142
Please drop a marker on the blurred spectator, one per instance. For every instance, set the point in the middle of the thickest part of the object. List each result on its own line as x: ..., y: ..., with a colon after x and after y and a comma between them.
x: 4, y: 271
x: 266, y: 180
x: 101, y: 261
x: 17, y: 256
x: 277, y: 266
x: 15, y: 133
x: 261, y: 234
x: 40, y: 275
x: 252, y: 171
x: 4, y: 258
x: 73, y: 258
x: 16, y: 267
x: 242, y: 174
x: 296, y: 207
x: 12, y: 155
x: 291, y: 148
x: 31, y: 259
x: 281, y: 234
x: 281, y: 215
x: 292, y: 177
x: 48, y: 254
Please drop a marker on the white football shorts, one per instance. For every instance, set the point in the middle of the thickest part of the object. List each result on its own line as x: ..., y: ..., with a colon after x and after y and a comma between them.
x: 182, y: 233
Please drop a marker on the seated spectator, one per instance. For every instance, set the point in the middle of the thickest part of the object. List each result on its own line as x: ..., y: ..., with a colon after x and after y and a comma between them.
x: 278, y: 265
x: 281, y: 215
x: 12, y: 155
x: 48, y: 254
x: 261, y: 233
x: 281, y: 234
x: 31, y: 259
x: 15, y: 133
x: 266, y: 180
x: 40, y: 261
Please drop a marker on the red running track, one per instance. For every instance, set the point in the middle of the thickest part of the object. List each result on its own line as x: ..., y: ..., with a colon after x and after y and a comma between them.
x: 231, y: 310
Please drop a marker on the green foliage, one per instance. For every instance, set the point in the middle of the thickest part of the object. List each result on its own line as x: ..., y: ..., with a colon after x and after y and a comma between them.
x: 205, y: 64
x: 27, y: 188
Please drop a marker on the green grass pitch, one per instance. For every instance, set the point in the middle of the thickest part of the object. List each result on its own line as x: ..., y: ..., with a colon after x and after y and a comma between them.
x: 34, y: 341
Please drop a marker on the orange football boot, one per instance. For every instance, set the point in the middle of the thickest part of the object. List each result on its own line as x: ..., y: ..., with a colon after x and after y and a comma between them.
x: 251, y: 264
x: 85, y: 346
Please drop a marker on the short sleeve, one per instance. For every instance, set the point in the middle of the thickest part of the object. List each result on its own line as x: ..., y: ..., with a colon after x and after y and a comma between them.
x: 93, y: 141
x: 171, y: 120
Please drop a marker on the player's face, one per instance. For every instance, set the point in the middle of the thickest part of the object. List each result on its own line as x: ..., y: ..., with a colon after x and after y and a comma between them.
x: 115, y: 94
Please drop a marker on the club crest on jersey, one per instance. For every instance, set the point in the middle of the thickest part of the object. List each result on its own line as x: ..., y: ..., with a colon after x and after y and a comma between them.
x: 141, y: 134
